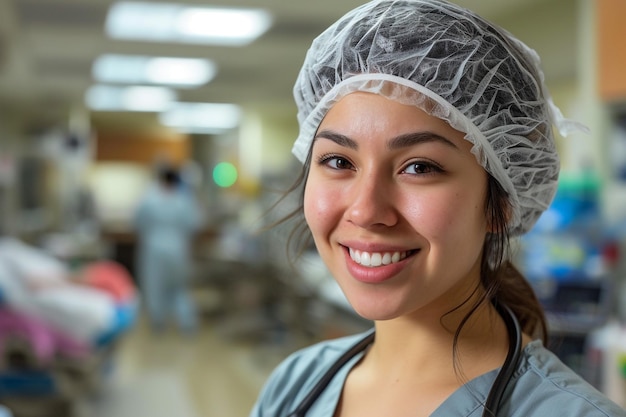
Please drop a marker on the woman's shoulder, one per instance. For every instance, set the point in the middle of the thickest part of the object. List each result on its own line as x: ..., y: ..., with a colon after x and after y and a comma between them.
x: 297, y: 374
x: 544, y: 385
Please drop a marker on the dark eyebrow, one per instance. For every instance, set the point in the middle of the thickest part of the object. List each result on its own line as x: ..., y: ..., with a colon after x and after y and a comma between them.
x: 410, y: 139
x: 338, y: 138
x: 403, y: 141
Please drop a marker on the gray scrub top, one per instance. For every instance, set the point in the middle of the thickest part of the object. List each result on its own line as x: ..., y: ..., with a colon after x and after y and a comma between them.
x: 542, y: 386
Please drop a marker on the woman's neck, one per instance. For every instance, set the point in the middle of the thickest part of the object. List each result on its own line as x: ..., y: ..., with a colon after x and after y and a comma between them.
x: 427, y: 344
x: 413, y: 366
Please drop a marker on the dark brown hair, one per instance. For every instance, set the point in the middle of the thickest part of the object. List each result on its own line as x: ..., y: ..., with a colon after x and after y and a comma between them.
x: 501, y: 280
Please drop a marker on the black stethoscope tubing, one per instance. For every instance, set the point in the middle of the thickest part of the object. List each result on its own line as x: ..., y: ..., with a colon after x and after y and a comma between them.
x: 492, y: 404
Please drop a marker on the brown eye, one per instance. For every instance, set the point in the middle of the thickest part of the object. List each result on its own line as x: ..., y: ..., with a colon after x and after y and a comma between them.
x: 335, y: 162
x: 421, y: 168
x: 341, y: 163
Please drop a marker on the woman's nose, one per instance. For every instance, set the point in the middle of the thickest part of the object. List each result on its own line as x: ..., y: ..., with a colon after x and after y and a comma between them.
x: 371, y: 203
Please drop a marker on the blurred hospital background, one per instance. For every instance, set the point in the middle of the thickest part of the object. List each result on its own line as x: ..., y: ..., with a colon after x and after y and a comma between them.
x: 96, y: 94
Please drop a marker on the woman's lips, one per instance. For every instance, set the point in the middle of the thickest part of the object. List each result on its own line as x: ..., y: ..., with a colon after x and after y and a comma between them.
x: 376, y: 267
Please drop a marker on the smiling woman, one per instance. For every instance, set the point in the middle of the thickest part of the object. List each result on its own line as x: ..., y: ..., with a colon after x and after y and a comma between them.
x: 426, y: 141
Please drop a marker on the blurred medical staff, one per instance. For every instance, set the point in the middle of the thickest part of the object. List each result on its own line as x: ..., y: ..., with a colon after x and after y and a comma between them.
x: 166, y: 220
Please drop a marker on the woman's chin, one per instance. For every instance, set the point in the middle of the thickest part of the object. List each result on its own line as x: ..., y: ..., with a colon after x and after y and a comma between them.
x: 375, y: 313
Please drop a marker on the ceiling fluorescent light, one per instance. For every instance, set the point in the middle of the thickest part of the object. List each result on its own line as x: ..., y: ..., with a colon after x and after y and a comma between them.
x: 134, y: 69
x: 136, y: 98
x: 209, y: 118
x: 171, y: 22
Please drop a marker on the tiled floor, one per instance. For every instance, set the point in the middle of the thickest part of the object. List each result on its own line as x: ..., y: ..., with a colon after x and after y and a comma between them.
x: 207, y: 375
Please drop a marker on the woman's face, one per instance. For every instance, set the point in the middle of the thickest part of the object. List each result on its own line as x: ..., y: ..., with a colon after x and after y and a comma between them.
x: 396, y: 205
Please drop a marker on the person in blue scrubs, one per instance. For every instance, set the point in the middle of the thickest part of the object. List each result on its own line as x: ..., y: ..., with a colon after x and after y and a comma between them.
x: 166, y: 220
x: 426, y: 137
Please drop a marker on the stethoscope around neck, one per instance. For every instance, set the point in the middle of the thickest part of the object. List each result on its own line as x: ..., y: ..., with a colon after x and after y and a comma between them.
x: 492, y: 404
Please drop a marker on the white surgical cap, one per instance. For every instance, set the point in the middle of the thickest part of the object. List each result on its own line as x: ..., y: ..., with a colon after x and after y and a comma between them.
x: 454, y: 65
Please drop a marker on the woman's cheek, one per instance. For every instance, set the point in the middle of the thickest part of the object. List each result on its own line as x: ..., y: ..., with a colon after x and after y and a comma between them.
x: 317, y: 204
x: 436, y: 214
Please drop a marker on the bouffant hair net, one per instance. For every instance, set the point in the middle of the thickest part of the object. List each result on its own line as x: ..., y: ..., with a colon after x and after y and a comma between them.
x: 456, y: 66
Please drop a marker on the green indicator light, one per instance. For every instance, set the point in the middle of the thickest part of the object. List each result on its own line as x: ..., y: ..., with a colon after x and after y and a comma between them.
x: 224, y: 174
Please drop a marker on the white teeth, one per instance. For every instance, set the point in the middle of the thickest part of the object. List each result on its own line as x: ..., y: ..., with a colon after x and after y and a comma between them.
x: 366, y: 258
x: 374, y: 259
x: 387, y: 259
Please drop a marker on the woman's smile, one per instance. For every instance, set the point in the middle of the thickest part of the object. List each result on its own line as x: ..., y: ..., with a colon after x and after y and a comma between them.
x: 376, y: 259
x: 376, y: 267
